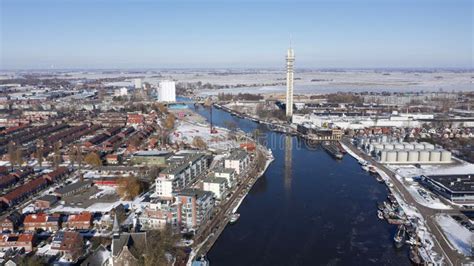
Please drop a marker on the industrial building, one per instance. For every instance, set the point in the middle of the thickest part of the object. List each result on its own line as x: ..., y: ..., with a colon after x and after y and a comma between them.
x: 167, y: 91
x: 456, y: 188
x: 395, y: 152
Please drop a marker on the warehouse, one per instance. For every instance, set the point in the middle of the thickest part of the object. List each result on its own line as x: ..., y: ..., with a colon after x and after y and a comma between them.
x: 456, y: 188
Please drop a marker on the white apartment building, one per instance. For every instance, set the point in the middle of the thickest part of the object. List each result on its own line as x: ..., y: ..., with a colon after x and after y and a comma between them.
x: 182, y: 170
x: 167, y: 91
x: 228, y: 174
x: 237, y: 160
x: 216, y: 185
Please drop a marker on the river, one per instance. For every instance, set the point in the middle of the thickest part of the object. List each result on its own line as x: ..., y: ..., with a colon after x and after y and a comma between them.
x: 307, y: 209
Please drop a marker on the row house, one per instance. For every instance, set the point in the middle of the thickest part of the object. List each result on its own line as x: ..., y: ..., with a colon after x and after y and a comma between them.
x: 23, y: 191
x: 59, y: 173
x: 17, y: 241
x: 46, y: 222
x: 237, y: 160
x: 96, y: 140
x: 182, y: 170
x: 135, y: 119
x: 127, y: 132
x: 10, y: 223
x: 7, y: 180
x: 13, y: 177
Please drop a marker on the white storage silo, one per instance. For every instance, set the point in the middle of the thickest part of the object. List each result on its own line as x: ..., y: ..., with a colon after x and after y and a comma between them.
x: 399, y: 146
x: 445, y: 156
x: 402, y: 156
x: 409, y: 146
x: 424, y: 156
x: 429, y: 146
x: 383, y: 156
x: 391, y: 156
x: 419, y: 146
x: 413, y: 156
x: 378, y: 146
x: 435, y: 156
x: 388, y: 146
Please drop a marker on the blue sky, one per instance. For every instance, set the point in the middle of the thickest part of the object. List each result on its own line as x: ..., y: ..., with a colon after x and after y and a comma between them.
x: 182, y: 34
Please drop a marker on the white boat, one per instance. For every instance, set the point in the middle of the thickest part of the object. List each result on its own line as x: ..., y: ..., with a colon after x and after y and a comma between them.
x: 380, y: 215
x: 237, y: 206
x: 234, y: 217
x: 365, y: 167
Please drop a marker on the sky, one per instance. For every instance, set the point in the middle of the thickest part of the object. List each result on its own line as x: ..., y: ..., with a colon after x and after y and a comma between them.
x: 235, y: 34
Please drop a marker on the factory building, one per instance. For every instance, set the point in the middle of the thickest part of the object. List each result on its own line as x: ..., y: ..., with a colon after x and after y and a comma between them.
x: 392, y: 151
x: 456, y: 188
x: 167, y: 91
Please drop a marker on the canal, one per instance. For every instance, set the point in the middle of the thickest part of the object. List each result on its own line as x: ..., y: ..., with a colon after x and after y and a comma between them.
x: 307, y: 209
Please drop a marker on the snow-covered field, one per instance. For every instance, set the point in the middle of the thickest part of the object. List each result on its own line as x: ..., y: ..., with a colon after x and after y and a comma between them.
x: 306, y: 81
x: 459, y: 236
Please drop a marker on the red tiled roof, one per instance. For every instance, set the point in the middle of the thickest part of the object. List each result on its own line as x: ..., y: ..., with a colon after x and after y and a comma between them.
x: 81, y: 217
x: 24, y: 189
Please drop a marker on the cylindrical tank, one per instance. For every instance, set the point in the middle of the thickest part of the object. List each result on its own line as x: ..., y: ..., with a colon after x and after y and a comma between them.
x: 388, y: 146
x: 419, y: 146
x: 435, y: 156
x: 413, y: 156
x: 378, y: 146
x: 399, y: 146
x: 445, y: 156
x: 429, y: 146
x: 391, y: 156
x: 424, y: 156
x: 409, y: 146
x: 402, y: 156
x: 383, y: 156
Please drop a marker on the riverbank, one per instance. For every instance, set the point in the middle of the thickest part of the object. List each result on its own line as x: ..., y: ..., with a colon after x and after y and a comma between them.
x: 422, y: 218
x: 223, y: 217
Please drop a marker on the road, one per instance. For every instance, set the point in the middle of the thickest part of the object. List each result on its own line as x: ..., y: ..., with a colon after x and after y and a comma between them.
x: 442, y: 245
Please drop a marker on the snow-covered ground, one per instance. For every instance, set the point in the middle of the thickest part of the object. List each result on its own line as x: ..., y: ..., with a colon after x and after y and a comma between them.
x: 405, y: 174
x: 187, y: 131
x: 459, y: 236
x: 425, y: 197
x: 461, y: 167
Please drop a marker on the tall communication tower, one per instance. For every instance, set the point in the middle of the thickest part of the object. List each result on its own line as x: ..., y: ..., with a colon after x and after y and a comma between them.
x: 290, y: 60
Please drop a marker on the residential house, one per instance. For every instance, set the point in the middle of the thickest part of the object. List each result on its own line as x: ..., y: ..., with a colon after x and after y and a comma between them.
x: 69, y: 244
x: 80, y: 221
x: 17, y: 241
x: 47, y: 222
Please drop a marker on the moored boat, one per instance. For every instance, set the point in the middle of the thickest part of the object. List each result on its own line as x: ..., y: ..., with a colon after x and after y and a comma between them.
x: 234, y: 217
x: 333, y: 150
x: 399, y: 237
x: 380, y: 214
x: 414, y: 255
